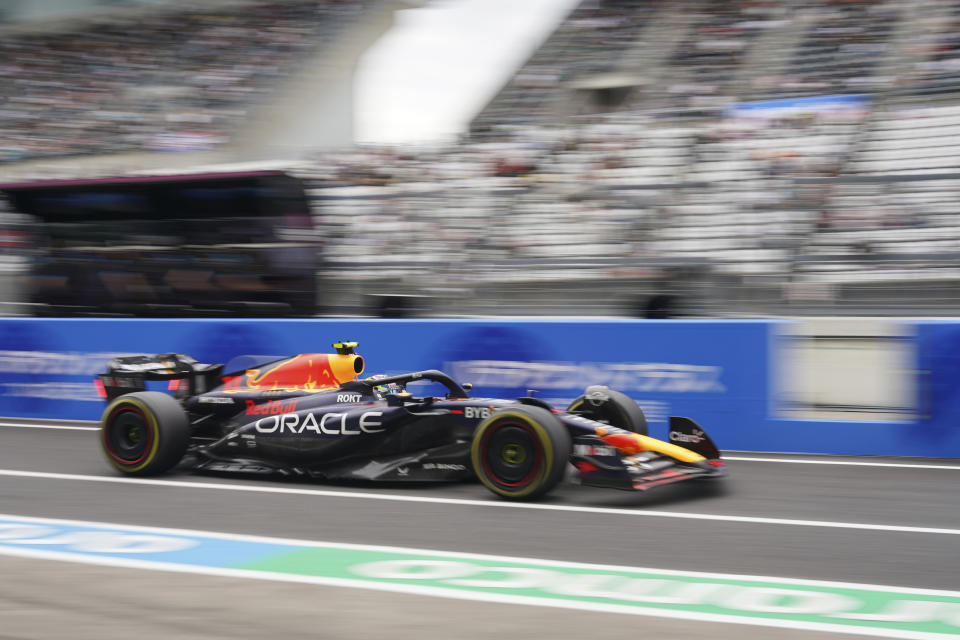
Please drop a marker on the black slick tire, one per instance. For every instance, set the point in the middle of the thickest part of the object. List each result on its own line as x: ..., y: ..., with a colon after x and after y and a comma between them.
x: 144, y: 433
x: 520, y: 453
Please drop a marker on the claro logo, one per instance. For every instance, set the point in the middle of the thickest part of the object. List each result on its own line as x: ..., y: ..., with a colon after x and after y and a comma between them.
x: 696, y: 436
x: 333, y: 424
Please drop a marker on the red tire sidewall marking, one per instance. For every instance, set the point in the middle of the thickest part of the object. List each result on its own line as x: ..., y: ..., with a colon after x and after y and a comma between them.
x: 537, y: 452
x: 108, y: 445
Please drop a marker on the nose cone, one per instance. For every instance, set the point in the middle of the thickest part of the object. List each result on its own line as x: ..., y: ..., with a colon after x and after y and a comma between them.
x: 632, y: 443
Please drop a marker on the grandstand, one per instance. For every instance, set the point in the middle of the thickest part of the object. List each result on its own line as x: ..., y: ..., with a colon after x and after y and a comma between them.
x: 794, y: 197
x: 157, y: 78
x: 757, y: 156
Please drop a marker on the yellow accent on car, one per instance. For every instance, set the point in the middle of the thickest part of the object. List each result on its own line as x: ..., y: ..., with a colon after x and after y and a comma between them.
x: 345, y: 367
x: 669, y: 449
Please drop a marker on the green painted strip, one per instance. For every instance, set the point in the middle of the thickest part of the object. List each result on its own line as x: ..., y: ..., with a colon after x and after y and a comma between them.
x: 903, y: 612
x: 892, y: 612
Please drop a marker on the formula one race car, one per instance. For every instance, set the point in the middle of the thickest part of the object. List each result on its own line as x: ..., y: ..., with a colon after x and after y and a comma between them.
x: 312, y: 415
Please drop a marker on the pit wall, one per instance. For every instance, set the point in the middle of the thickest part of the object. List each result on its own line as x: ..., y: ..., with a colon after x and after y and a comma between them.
x: 729, y: 375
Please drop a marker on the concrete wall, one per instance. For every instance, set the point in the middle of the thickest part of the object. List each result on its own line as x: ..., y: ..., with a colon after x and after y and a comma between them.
x: 313, y: 110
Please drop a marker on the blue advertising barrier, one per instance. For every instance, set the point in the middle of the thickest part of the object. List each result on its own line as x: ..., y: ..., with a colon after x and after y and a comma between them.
x: 716, y: 372
x: 938, y: 370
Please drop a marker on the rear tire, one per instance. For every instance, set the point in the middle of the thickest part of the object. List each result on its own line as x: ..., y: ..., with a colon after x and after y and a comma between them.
x: 521, y: 453
x: 144, y: 433
x: 615, y: 408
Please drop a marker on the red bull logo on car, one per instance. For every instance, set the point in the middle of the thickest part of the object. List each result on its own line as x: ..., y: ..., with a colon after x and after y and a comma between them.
x: 270, y: 408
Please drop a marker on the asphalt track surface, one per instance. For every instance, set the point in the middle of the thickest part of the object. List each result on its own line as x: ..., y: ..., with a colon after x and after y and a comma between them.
x: 782, y: 516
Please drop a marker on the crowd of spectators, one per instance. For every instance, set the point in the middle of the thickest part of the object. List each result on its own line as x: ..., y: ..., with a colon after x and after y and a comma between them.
x: 592, y: 40
x: 703, y: 68
x: 752, y: 193
x: 635, y: 183
x: 936, y: 71
x: 843, y: 42
x: 156, y: 79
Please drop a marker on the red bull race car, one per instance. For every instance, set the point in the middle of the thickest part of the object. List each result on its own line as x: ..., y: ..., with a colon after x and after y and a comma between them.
x: 312, y: 415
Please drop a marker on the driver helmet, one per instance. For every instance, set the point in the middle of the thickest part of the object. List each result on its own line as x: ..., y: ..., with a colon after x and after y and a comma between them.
x: 385, y: 389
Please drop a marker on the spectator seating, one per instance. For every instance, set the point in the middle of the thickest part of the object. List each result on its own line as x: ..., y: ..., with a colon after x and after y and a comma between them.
x: 591, y: 40
x: 905, y: 139
x: 152, y: 79
x: 843, y: 44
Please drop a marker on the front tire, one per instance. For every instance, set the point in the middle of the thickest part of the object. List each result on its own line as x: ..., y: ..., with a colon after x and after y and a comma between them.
x: 521, y: 453
x: 144, y: 433
x: 615, y: 408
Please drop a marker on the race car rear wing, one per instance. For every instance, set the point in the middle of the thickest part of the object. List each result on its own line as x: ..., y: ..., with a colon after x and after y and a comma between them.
x: 131, y: 373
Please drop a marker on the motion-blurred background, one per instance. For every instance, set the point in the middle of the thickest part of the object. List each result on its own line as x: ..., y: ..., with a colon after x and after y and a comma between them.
x: 637, y: 158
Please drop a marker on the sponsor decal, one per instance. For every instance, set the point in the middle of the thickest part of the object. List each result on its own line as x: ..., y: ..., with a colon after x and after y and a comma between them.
x: 591, y: 450
x: 476, y: 412
x: 349, y: 397
x: 215, y: 400
x: 332, y: 424
x: 273, y: 407
x: 626, y: 376
x: 697, y: 436
x: 443, y: 466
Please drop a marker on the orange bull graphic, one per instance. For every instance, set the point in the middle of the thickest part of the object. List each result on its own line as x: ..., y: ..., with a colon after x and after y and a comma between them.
x: 627, y: 443
x: 305, y: 372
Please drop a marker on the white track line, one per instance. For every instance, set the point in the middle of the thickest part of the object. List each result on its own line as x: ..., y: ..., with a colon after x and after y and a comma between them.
x: 734, y: 458
x: 846, y: 463
x: 25, y: 425
x: 325, y: 493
